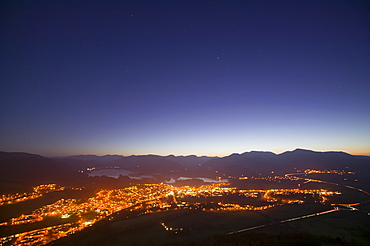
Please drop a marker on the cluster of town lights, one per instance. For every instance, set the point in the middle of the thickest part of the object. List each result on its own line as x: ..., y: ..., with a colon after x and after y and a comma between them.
x: 38, y: 191
x: 107, y: 202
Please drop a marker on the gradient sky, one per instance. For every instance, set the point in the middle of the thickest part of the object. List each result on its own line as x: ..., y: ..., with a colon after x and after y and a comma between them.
x: 184, y: 77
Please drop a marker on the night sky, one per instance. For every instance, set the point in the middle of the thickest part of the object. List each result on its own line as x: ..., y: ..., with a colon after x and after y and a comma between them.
x: 184, y: 77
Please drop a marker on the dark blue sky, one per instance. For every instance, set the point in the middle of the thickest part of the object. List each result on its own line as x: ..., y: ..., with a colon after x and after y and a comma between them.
x: 184, y: 77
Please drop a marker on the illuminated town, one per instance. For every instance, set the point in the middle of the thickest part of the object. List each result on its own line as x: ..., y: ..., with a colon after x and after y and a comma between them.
x: 147, y: 198
x: 38, y: 191
x: 339, y: 172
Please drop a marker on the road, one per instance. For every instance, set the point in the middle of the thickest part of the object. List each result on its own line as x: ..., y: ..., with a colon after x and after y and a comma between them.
x: 287, y: 220
x: 335, y: 206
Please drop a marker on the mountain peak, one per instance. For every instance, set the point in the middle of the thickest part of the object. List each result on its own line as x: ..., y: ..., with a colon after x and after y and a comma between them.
x: 302, y: 150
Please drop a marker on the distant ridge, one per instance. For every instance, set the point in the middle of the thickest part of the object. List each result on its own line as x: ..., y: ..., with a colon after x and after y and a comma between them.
x: 299, y: 150
x: 256, y: 162
x: 247, y: 164
x: 252, y: 152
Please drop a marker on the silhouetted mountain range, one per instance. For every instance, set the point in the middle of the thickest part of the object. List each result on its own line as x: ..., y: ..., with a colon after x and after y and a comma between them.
x: 255, y: 162
x: 28, y: 167
x: 146, y: 164
x: 248, y: 163
x: 190, y: 160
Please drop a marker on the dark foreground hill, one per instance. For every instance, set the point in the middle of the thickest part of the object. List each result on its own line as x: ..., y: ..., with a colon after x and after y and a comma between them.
x: 23, y: 170
x: 211, y: 228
